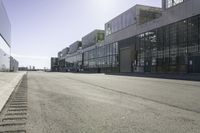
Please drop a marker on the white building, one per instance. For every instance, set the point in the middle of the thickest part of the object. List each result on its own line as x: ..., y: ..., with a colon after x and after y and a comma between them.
x: 5, y: 39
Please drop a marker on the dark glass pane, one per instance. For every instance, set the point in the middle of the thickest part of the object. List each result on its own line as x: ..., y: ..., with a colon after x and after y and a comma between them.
x: 193, y: 35
x: 199, y: 32
x: 160, y: 46
x: 182, y: 42
x: 166, y: 45
x: 173, y: 44
x: 170, y: 3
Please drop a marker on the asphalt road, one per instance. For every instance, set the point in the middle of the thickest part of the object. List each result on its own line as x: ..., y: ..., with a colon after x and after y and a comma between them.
x: 98, y: 103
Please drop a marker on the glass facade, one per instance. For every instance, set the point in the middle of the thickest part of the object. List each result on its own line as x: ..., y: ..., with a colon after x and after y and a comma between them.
x: 103, y: 57
x: 74, y: 62
x: 5, y: 26
x: 4, y: 55
x: 54, y: 64
x: 97, y: 36
x: 136, y: 15
x: 170, y: 3
x: 124, y: 20
x: 148, y: 15
x: 5, y: 39
x: 172, y: 48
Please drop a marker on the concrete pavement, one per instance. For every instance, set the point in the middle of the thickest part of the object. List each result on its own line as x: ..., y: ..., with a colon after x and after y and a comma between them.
x: 98, y: 103
x: 8, y: 82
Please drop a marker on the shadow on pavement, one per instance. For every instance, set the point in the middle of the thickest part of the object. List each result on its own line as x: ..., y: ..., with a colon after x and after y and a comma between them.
x: 176, y: 76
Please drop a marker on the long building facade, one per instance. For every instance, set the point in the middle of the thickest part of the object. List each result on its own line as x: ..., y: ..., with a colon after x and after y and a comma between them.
x: 146, y: 39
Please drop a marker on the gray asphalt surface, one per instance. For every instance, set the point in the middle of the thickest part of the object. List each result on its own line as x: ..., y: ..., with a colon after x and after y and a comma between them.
x: 98, y: 103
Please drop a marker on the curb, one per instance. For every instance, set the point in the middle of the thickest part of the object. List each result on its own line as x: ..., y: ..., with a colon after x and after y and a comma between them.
x: 17, y: 85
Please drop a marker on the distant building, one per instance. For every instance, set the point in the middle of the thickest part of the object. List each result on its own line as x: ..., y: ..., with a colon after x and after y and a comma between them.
x: 61, y: 59
x: 75, y: 47
x: 23, y: 68
x: 64, y: 52
x: 73, y: 60
x: 13, y: 65
x: 54, y: 64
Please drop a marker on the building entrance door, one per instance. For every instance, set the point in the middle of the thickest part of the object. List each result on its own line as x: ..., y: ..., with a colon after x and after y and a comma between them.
x: 147, y: 67
x: 125, y: 60
x: 194, y: 64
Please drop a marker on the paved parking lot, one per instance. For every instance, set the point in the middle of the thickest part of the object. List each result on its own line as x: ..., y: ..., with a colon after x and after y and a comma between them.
x: 99, y: 103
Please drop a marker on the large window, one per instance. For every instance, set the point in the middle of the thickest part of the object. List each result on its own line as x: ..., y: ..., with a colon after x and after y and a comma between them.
x: 199, y: 34
x: 141, y: 51
x: 74, y: 61
x: 153, y: 43
x: 173, y: 44
x: 182, y: 42
x: 166, y: 45
x: 160, y: 47
x: 193, y: 35
x: 170, y: 3
x: 103, y: 56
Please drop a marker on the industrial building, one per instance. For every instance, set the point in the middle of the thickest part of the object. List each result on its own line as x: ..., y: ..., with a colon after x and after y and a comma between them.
x: 7, y: 63
x: 14, y: 64
x: 54, y: 64
x: 144, y: 39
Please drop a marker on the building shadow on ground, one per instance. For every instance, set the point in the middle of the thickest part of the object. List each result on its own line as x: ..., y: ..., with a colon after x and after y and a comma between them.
x: 175, y: 76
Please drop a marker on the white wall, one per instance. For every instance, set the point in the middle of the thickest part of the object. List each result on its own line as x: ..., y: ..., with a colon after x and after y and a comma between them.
x: 5, y: 39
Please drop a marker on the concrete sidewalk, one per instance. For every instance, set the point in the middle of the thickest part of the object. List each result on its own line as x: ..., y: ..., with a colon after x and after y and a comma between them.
x: 8, y: 82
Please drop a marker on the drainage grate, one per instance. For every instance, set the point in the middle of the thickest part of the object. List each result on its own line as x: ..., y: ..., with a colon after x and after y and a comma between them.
x: 14, y: 110
x: 12, y: 124
x: 16, y: 131
x: 15, y: 114
x: 18, y: 106
x: 13, y: 117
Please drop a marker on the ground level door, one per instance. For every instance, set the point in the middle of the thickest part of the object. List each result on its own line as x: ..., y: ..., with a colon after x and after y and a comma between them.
x: 125, y: 60
x: 194, y: 64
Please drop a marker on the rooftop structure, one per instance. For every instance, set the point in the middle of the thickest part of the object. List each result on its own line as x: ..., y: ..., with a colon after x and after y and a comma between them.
x: 93, y: 38
x: 74, y: 47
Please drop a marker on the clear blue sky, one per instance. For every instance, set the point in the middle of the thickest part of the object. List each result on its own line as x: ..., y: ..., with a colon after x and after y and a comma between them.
x: 41, y: 28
